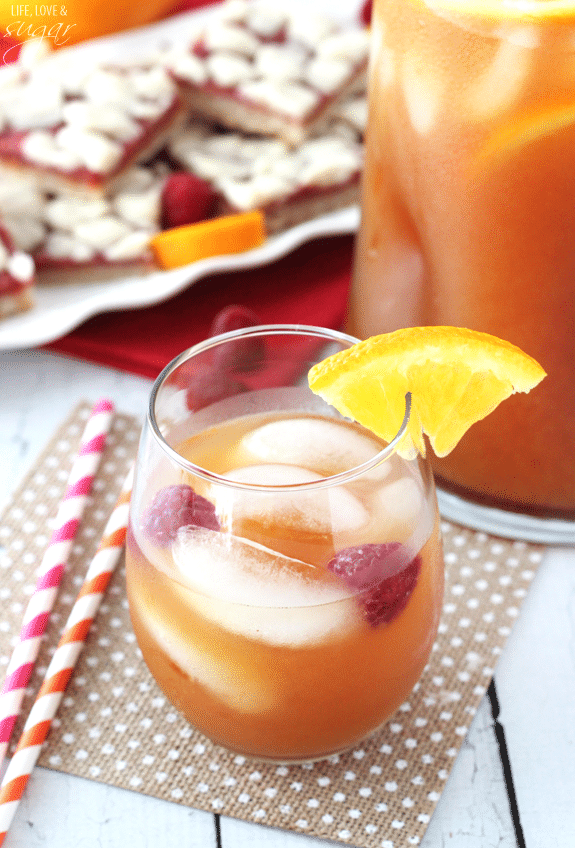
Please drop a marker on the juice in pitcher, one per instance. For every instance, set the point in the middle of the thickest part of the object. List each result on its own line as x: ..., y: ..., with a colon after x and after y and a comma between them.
x: 468, y: 217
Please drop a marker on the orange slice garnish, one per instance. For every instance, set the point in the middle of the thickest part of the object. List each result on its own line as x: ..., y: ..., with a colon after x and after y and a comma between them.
x: 215, y: 237
x: 455, y: 376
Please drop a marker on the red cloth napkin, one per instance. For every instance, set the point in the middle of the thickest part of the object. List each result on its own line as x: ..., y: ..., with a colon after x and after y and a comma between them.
x: 309, y: 286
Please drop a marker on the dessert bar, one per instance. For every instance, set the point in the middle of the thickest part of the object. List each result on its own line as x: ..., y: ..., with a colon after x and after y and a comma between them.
x: 70, y: 124
x: 260, y: 68
x: 290, y: 185
x: 85, y: 239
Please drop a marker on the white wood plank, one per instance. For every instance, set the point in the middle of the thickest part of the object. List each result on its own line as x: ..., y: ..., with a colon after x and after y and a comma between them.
x: 39, y: 389
x: 536, y: 686
x: 69, y: 812
x: 473, y: 811
x: 239, y: 834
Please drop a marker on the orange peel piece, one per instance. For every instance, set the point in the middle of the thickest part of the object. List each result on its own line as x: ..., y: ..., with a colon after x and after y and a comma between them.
x: 215, y: 237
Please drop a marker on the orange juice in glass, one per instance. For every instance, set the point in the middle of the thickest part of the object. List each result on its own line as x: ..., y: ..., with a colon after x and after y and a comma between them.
x: 468, y: 217
x: 284, y: 565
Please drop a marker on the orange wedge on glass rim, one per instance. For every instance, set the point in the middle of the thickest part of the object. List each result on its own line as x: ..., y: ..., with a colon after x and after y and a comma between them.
x: 455, y: 377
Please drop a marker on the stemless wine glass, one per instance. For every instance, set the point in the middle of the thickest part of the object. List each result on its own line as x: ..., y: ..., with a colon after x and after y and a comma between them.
x: 284, y: 566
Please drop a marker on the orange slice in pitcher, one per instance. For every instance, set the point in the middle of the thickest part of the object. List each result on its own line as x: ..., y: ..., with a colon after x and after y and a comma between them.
x: 524, y: 130
x: 455, y: 376
x: 514, y: 11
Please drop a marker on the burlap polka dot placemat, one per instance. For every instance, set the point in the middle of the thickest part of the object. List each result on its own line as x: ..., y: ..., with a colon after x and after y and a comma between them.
x: 115, y: 726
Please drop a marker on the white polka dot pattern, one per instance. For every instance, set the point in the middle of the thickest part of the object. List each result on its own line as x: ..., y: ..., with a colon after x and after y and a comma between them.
x: 115, y: 726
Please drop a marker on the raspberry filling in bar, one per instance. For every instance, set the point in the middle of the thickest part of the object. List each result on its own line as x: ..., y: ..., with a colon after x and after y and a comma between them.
x: 260, y: 68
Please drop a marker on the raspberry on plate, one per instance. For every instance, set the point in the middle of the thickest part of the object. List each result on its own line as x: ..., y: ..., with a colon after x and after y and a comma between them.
x: 382, y: 574
x: 365, y: 12
x: 186, y: 199
x: 174, y: 507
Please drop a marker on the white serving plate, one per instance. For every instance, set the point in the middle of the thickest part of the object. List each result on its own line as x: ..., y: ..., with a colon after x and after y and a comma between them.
x: 60, y: 309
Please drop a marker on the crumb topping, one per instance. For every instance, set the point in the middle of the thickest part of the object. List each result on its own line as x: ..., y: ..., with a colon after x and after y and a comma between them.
x: 284, y: 61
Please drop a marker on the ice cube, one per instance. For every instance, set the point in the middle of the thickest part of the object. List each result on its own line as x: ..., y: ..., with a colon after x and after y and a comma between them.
x: 523, y: 35
x: 401, y: 510
x: 501, y: 84
x: 256, y: 592
x: 241, y: 571
x: 322, y: 446
x: 241, y: 686
x: 384, y: 66
x: 423, y: 93
x: 273, y: 474
x: 323, y: 510
x: 293, y: 627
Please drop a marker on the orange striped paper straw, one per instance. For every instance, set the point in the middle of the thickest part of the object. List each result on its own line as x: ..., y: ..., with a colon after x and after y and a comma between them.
x: 64, y: 660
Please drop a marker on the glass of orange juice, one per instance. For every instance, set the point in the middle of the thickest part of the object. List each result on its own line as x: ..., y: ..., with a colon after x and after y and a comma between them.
x: 284, y: 564
x: 468, y: 219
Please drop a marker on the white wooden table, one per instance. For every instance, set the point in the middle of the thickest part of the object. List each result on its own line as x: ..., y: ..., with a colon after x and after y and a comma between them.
x: 513, y: 783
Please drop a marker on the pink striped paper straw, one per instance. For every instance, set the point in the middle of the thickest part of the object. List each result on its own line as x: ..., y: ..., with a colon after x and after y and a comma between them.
x: 52, y: 568
x: 62, y: 665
